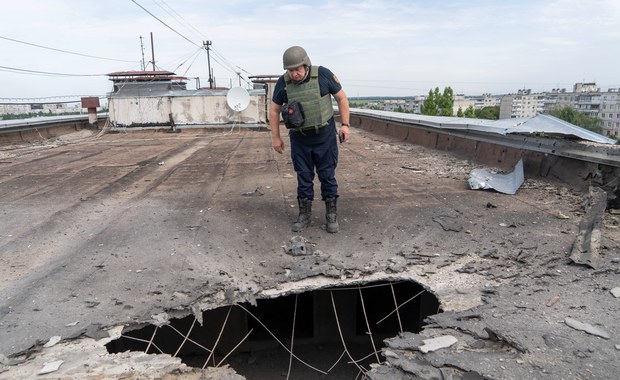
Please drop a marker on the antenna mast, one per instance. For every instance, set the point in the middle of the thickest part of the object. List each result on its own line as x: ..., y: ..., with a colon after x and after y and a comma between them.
x: 152, y: 51
x: 142, y: 63
x: 206, y: 45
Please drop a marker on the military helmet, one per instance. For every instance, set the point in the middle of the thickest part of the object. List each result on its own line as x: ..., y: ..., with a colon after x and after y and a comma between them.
x: 295, y: 56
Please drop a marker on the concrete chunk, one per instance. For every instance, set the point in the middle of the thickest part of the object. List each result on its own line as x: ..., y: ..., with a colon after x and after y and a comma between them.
x: 586, y: 327
x: 437, y: 343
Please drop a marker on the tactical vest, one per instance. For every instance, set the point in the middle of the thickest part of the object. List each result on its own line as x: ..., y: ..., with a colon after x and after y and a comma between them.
x: 317, y: 109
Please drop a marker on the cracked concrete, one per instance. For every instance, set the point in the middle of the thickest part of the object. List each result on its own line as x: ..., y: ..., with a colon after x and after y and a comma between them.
x: 117, y: 229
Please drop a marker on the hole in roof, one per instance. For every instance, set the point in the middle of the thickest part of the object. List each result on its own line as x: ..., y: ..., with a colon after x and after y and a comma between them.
x: 334, y: 332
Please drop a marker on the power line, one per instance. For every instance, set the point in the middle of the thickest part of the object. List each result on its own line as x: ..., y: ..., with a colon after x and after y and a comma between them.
x: 190, y: 65
x: 25, y: 71
x: 225, y: 63
x: 168, y: 26
x: 49, y: 97
x: 62, y: 51
x: 186, y: 24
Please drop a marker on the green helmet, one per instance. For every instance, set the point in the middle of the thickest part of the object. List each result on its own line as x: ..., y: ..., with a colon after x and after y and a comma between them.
x: 295, y: 56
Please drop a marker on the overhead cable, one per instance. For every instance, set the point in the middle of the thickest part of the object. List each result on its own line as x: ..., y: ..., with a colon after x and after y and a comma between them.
x: 168, y: 26
x: 225, y: 63
x: 186, y: 24
x: 25, y: 71
x: 62, y: 51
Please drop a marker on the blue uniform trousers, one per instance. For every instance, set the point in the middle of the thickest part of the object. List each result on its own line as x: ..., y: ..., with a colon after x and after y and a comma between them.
x: 315, y: 150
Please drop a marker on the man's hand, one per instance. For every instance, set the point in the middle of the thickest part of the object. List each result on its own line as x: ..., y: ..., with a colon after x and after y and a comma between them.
x: 344, y: 129
x: 278, y: 144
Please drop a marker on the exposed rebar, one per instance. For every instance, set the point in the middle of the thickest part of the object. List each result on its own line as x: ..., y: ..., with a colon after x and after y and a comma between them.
x: 290, y: 358
x: 217, y: 340
x: 278, y: 340
x: 368, y: 324
x: 344, y: 344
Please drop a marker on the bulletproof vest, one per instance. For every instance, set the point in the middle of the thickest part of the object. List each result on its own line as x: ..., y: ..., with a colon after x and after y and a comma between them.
x: 317, y: 109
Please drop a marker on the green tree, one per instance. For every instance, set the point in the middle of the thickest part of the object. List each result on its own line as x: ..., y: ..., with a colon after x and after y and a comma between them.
x: 459, y: 113
x: 437, y: 103
x: 581, y: 119
x: 446, y: 102
x: 470, y: 112
x: 489, y: 113
x: 429, y: 107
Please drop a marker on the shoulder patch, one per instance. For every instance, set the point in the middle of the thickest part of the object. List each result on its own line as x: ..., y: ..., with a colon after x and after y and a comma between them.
x: 335, y: 78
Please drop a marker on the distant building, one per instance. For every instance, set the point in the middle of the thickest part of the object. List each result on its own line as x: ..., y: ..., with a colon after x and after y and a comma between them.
x: 53, y: 108
x: 462, y: 102
x: 609, y: 112
x: 586, y: 98
x: 521, y: 104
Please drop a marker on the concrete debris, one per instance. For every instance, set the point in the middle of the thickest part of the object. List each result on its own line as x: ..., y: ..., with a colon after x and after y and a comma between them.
x: 587, y: 244
x: 437, y: 343
x: 397, y: 264
x: 256, y: 193
x: 53, y: 340
x: 390, y: 354
x: 553, y: 301
x: 161, y: 319
x: 298, y: 246
x: 419, y: 368
x: 85, y: 358
x: 487, y: 179
x: 388, y: 373
x: 405, y: 341
x: 616, y: 292
x: 448, y: 225
x: 50, y: 367
x: 577, y: 325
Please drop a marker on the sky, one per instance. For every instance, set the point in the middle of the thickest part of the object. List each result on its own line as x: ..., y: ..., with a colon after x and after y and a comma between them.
x: 64, y: 48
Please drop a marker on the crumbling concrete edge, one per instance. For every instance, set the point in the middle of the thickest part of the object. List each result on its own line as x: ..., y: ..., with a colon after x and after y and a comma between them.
x: 460, y: 292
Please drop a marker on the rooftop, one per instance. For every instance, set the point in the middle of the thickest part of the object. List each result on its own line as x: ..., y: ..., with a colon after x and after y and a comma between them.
x: 101, y: 230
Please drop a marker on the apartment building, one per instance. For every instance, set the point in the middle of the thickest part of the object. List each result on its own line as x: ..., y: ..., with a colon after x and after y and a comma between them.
x: 609, y: 112
x: 521, y: 104
x: 586, y: 97
x: 478, y: 102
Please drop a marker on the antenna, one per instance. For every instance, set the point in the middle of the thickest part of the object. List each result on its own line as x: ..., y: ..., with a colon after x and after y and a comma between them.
x: 152, y: 51
x: 238, y: 99
x: 206, y: 45
x: 143, y: 64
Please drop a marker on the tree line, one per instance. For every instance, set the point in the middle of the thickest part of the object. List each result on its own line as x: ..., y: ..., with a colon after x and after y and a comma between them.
x: 439, y: 103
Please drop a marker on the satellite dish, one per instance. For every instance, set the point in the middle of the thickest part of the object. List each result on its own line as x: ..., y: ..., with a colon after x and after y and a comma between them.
x: 238, y: 99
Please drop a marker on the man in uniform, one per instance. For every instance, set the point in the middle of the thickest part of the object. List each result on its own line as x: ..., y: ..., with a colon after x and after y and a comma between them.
x: 314, y: 144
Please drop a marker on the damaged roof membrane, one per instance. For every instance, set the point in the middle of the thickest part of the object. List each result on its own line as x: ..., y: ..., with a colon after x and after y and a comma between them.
x: 526, y: 125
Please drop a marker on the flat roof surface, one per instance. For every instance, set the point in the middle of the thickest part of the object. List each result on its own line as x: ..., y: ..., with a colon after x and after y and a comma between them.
x: 102, y: 230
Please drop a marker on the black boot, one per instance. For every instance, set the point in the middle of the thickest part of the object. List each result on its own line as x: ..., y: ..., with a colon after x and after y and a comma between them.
x: 331, y: 215
x: 303, y: 219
